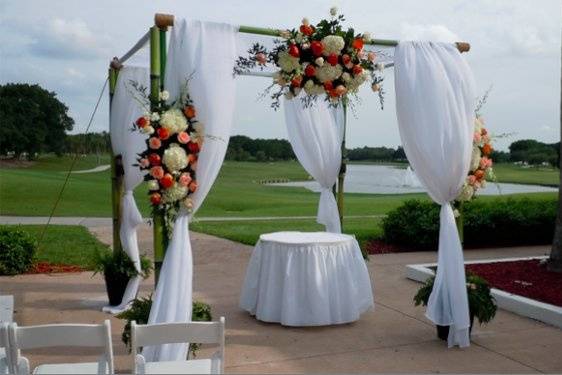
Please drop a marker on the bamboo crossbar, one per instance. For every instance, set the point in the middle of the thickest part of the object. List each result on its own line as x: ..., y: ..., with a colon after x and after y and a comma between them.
x: 164, y: 20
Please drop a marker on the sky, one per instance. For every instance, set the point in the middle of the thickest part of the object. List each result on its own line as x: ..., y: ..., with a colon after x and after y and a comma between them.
x: 65, y: 46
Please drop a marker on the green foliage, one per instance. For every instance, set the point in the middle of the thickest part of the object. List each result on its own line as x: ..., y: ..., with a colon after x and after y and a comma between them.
x: 498, y: 222
x: 534, y: 152
x: 242, y: 148
x: 118, y: 262
x: 33, y: 120
x: 87, y: 144
x: 481, y: 303
x: 415, y: 223
x: 140, y: 311
x: 17, y: 249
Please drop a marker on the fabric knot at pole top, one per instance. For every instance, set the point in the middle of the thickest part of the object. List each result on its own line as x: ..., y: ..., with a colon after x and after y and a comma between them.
x: 435, y: 103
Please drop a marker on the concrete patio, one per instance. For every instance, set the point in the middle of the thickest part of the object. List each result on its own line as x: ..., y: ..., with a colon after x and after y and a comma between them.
x: 395, y: 337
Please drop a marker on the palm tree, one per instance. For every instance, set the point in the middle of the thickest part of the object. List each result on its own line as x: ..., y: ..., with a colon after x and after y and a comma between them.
x: 555, y: 261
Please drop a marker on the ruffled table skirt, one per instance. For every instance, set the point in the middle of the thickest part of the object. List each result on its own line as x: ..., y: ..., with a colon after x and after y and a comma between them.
x: 307, y: 279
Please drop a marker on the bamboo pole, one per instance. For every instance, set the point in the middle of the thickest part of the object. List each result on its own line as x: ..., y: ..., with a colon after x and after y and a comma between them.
x: 343, y: 165
x: 165, y: 20
x: 160, y: 237
x: 117, y: 175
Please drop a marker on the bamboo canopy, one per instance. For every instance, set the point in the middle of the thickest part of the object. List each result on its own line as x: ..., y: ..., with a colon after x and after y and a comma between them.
x: 156, y: 37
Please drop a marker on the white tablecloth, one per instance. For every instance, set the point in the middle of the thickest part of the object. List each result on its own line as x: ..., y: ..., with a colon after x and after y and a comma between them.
x: 307, y: 279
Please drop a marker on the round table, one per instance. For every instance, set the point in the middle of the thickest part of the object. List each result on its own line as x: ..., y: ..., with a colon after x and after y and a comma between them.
x: 307, y: 279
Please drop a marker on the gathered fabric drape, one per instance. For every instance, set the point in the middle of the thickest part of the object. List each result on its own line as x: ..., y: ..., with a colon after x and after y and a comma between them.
x: 206, y: 52
x: 315, y: 136
x: 125, y: 141
x: 435, y: 102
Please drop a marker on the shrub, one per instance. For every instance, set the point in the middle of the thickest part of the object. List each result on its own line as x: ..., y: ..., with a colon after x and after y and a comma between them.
x: 498, y: 222
x: 140, y: 310
x: 17, y: 249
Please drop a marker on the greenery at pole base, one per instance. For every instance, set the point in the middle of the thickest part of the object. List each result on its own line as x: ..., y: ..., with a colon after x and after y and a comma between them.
x: 17, y: 251
x: 481, y: 303
x: 140, y: 311
x: 118, y: 262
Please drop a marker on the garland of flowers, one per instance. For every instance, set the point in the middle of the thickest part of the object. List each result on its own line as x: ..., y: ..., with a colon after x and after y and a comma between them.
x: 323, y: 60
x: 172, y: 150
x: 481, y: 162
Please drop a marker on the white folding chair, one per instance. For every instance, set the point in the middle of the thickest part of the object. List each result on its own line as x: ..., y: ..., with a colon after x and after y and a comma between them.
x: 62, y: 335
x: 174, y: 333
x: 6, y: 366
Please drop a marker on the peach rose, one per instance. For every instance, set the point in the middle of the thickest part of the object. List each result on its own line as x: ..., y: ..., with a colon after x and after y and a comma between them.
x: 154, y: 143
x: 144, y: 162
x: 183, y: 137
x: 157, y: 172
x: 371, y: 56
x: 471, y: 179
x: 185, y: 179
x: 477, y: 137
x: 193, y: 186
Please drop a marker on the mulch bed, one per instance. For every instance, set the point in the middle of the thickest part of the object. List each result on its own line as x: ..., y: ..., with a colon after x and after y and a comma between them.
x: 527, y: 278
x: 45, y: 267
x: 380, y: 247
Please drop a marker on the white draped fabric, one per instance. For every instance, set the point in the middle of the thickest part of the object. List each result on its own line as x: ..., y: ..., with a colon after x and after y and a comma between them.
x: 206, y: 52
x: 125, y: 109
x: 307, y: 279
x: 435, y: 102
x: 315, y: 137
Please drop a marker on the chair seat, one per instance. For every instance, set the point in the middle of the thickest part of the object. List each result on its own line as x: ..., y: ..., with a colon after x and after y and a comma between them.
x: 68, y: 368
x: 195, y: 366
x: 3, y: 363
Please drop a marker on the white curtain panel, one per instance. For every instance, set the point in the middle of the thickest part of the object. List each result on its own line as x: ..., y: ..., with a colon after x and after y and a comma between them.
x: 205, y: 51
x: 125, y: 141
x: 315, y: 137
x: 435, y: 102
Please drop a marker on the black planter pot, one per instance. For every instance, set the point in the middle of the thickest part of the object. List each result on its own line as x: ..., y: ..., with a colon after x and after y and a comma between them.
x: 443, y: 331
x: 115, y: 284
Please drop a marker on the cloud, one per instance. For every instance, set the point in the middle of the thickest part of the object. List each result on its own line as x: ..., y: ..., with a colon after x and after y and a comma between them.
x: 438, y: 33
x: 66, y: 39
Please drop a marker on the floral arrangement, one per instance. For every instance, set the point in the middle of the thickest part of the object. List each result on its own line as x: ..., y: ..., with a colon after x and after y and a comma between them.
x: 172, y: 150
x: 323, y: 60
x: 481, y: 163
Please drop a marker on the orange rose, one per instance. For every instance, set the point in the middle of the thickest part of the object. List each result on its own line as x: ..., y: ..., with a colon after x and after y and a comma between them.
x: 487, y: 149
x: 189, y: 111
x: 479, y: 174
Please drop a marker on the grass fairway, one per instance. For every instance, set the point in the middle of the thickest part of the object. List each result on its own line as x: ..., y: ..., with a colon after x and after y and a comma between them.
x: 248, y: 232
x: 32, y: 190
x: 65, y: 244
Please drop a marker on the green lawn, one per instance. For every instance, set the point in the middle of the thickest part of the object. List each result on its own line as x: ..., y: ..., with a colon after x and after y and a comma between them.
x: 65, y: 244
x: 529, y: 175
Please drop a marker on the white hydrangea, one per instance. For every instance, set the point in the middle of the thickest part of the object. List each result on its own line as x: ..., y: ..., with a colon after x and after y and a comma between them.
x: 153, y: 185
x: 164, y: 95
x: 287, y: 62
x: 466, y: 193
x: 346, y: 77
x: 174, y: 193
x: 174, y: 121
x: 358, y: 80
x: 475, y: 160
x: 328, y: 72
x: 333, y: 44
x: 309, y: 87
x: 175, y: 158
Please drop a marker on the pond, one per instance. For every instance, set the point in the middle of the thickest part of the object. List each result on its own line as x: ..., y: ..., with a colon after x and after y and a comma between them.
x: 384, y: 179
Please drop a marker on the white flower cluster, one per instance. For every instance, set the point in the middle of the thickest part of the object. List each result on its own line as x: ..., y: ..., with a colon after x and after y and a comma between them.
x: 173, y: 120
x: 354, y: 84
x: 475, y: 159
x: 333, y: 44
x: 328, y: 72
x: 174, y: 193
x: 175, y: 158
x: 311, y: 89
x: 466, y: 193
x: 287, y: 62
x: 199, y: 134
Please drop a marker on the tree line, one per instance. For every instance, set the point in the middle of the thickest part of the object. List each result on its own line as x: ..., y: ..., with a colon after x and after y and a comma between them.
x: 35, y: 121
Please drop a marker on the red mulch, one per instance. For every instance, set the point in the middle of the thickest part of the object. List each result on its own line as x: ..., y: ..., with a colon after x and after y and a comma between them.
x: 380, y: 247
x: 527, y: 278
x: 45, y: 267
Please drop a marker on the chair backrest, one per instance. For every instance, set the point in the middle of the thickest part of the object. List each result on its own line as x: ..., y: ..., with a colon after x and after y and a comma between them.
x: 62, y: 335
x: 6, y: 365
x: 173, y: 333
